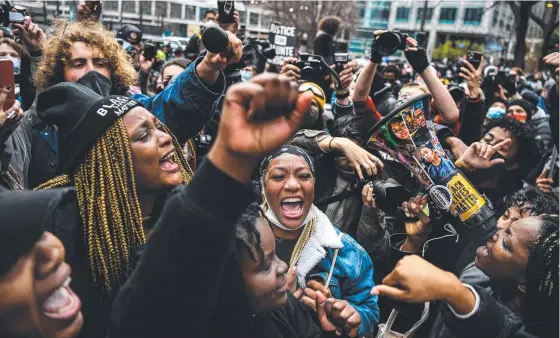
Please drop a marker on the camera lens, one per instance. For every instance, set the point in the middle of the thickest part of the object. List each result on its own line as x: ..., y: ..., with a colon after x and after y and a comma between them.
x: 250, y: 55
x: 307, y: 72
x: 388, y: 43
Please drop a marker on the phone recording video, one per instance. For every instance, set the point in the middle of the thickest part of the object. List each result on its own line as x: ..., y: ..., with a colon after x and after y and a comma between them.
x: 226, y: 8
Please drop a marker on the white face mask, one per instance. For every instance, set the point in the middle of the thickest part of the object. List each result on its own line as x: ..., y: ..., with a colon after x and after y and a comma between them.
x: 17, y: 63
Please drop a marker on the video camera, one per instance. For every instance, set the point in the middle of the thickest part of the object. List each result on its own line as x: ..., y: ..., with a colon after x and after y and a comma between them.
x: 8, y: 16
x: 263, y: 48
x: 389, y: 42
x: 389, y: 195
x: 502, y: 78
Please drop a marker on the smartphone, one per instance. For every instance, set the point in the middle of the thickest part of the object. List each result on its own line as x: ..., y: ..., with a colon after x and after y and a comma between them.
x: 420, y: 37
x: 225, y: 11
x: 552, y: 163
x: 340, y: 60
x: 149, y: 51
x: 474, y: 58
x: 7, y: 78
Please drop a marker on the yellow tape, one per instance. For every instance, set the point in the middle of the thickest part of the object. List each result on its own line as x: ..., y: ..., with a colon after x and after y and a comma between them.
x: 466, y: 199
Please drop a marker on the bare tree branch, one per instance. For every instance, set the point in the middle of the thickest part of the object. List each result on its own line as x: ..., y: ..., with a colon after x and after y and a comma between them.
x: 537, y: 20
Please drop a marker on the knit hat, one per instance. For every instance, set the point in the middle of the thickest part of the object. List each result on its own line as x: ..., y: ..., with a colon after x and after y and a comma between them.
x: 530, y: 96
x: 526, y: 105
x: 25, y: 216
x: 82, y: 114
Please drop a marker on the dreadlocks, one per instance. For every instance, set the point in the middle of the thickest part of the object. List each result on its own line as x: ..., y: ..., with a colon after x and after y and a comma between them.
x: 246, y: 229
x: 541, y: 307
x: 109, y: 205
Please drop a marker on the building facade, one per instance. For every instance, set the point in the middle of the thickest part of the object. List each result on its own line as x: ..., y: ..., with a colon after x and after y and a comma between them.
x: 178, y: 18
x: 483, y: 21
x: 372, y: 16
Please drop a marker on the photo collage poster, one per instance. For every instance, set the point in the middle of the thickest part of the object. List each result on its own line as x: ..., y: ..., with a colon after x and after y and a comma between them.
x: 411, y: 139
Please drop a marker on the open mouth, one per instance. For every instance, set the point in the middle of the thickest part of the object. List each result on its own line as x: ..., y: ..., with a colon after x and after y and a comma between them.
x: 292, y: 207
x: 62, y: 303
x: 167, y: 163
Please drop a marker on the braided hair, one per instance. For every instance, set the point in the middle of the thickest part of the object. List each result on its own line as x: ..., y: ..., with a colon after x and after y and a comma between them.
x: 109, y: 206
x: 541, y: 298
x: 246, y: 230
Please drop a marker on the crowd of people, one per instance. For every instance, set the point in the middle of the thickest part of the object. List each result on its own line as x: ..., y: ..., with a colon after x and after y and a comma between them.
x: 146, y: 194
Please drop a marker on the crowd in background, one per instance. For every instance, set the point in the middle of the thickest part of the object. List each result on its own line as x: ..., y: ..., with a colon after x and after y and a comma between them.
x: 151, y: 191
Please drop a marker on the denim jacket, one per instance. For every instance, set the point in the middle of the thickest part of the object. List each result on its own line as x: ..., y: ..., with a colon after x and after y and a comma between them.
x: 352, y: 278
x: 186, y: 104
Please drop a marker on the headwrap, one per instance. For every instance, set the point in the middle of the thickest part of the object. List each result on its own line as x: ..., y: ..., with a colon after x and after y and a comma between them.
x: 287, y: 149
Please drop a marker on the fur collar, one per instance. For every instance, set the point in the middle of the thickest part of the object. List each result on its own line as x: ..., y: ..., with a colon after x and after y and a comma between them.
x: 324, y: 236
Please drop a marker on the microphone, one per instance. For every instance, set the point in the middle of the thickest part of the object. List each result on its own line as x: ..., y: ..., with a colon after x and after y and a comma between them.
x: 215, y: 40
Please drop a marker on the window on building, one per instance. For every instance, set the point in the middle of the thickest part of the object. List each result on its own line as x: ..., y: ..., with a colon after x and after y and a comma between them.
x: 175, y: 10
x: 266, y: 19
x: 243, y: 17
x: 429, y: 14
x: 473, y: 16
x: 253, y: 19
x: 190, y: 12
x: 402, y: 14
x: 204, y: 9
x: 448, y: 15
x: 161, y: 8
x: 145, y: 7
x: 129, y: 6
x: 110, y: 6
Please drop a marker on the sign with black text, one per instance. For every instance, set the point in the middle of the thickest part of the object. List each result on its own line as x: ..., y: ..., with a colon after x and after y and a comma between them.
x: 283, y: 39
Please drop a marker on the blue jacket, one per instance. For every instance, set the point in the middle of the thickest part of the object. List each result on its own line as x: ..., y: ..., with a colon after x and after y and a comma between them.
x: 186, y: 104
x: 352, y: 280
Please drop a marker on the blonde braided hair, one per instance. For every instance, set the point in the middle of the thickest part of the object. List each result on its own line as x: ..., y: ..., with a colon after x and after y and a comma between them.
x: 109, y: 206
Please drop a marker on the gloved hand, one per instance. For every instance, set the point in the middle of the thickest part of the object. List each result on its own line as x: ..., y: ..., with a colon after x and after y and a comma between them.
x: 375, y: 56
x: 417, y: 58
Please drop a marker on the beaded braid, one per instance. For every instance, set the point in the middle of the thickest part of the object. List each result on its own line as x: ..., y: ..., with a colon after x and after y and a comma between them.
x: 109, y: 205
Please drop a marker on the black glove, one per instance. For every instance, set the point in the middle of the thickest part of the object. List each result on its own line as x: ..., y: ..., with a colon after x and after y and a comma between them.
x: 417, y: 59
x: 375, y: 56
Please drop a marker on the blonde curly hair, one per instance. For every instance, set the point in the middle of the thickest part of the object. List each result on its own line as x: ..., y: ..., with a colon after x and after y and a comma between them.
x: 56, y: 53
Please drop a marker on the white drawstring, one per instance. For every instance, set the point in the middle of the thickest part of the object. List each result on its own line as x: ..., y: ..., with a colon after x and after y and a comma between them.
x: 449, y: 228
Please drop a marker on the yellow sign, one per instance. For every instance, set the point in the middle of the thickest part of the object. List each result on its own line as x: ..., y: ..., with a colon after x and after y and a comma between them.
x: 466, y: 200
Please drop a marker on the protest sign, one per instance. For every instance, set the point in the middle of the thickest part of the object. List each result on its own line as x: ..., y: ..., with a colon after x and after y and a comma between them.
x: 283, y: 39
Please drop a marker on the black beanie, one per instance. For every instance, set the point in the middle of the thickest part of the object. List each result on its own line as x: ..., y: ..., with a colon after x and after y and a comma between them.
x: 81, y: 115
x: 25, y: 216
x: 526, y: 105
